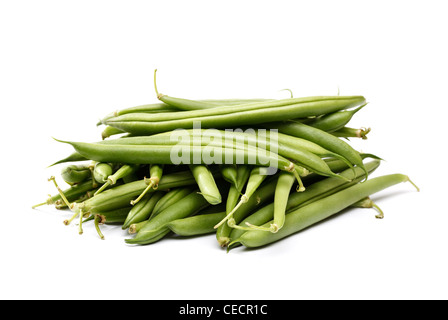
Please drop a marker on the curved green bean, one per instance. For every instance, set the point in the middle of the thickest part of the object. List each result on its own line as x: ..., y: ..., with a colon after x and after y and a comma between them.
x: 144, y: 125
x: 206, y: 183
x: 320, y: 210
x: 334, y: 121
x: 75, y: 174
x: 314, y: 192
x: 156, y: 228
x: 143, y: 210
x: 102, y: 171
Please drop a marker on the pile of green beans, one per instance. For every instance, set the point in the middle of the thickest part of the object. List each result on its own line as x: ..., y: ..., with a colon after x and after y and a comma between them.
x: 249, y: 171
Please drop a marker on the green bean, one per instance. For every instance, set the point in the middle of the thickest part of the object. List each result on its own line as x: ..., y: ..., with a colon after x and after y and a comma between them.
x: 326, y: 140
x: 195, y: 225
x: 146, y: 108
x: 256, y: 177
x: 334, y: 121
x: 242, y: 175
x: 122, y: 172
x: 314, y: 192
x: 185, y: 225
x: 185, y: 104
x: 139, y: 154
x: 288, y: 147
x: 307, y: 106
x: 306, y: 154
x: 320, y: 210
x: 229, y: 173
x: 75, y: 174
x: 110, y: 131
x: 143, y: 209
x: 282, y: 190
x: 347, y: 132
x: 102, y: 171
x: 206, y: 183
x: 223, y: 117
x: 157, y: 226
x: 155, y: 173
x: 170, y: 198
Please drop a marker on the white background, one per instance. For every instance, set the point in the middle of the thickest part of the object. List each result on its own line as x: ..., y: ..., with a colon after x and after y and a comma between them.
x: 64, y: 64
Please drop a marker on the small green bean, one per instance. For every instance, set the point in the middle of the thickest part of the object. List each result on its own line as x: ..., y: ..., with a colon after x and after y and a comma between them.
x: 101, y: 172
x: 229, y: 173
x: 171, y: 198
x: 143, y: 209
x: 334, y: 121
x: 206, y: 183
x: 75, y: 174
x: 235, y: 190
x: 325, y: 139
x: 153, y: 229
x: 195, y: 225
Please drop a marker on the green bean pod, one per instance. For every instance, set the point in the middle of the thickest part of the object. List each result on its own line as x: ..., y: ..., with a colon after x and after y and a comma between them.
x: 326, y: 140
x: 110, y: 131
x: 206, y: 183
x: 195, y: 225
x: 334, y: 121
x: 139, y: 154
x: 305, y: 153
x: 102, y: 171
x: 156, y: 228
x: 302, y: 107
x: 320, y: 210
x: 282, y: 190
x: 229, y: 173
x: 75, y: 174
x: 235, y: 191
x: 224, y: 117
x: 171, y: 197
x: 314, y: 192
x: 146, y: 108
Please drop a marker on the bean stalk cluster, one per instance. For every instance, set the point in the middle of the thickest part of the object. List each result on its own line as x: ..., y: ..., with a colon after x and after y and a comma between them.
x: 285, y: 165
